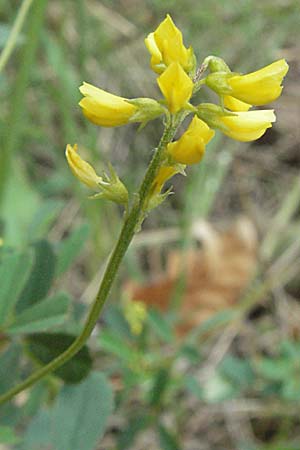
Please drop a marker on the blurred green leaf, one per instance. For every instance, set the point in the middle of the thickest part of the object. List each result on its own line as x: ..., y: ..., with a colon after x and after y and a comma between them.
x: 43, y: 218
x: 37, y: 435
x: 192, y: 384
x: 14, y: 272
x: 41, y: 316
x: 237, y: 370
x: 80, y: 414
x: 9, y: 365
x: 41, y: 277
x: 276, y: 369
x: 117, y: 346
x: 159, y: 385
x: 44, y: 347
x: 116, y: 321
x: 167, y: 439
x: 160, y: 325
x: 8, y: 436
x: 132, y: 429
x: 69, y: 248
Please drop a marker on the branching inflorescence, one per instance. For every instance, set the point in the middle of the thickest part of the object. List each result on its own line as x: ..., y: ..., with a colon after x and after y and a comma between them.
x: 178, y: 79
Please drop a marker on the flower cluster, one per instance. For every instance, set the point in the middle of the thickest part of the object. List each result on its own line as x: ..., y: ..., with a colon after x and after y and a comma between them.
x: 178, y: 80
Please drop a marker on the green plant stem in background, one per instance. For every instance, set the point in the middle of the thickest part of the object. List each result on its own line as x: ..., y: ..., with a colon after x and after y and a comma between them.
x: 15, y: 122
x: 14, y: 34
x: 126, y: 235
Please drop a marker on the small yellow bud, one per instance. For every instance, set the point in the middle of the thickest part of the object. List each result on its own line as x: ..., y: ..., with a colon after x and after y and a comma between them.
x: 190, y: 148
x: 103, y: 108
x: 248, y: 126
x: 166, y: 46
x: 110, y: 188
x: 176, y: 86
x: 164, y: 174
x: 155, y: 198
x: 81, y: 169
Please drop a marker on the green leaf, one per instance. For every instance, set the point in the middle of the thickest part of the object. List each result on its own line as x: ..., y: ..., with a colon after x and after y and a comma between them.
x: 44, y: 347
x: 43, y: 218
x: 42, y: 316
x: 160, y: 383
x: 37, y: 435
x: 133, y: 428
x: 237, y: 370
x: 20, y: 203
x: 41, y: 277
x: 160, y: 325
x: 70, y: 247
x: 192, y: 384
x: 167, y: 439
x: 14, y: 272
x: 80, y: 414
x: 9, y: 365
x: 276, y: 369
x: 119, y: 347
x: 7, y: 436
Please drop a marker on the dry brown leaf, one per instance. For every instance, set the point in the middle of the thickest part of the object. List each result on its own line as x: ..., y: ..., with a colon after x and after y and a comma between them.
x: 214, y: 275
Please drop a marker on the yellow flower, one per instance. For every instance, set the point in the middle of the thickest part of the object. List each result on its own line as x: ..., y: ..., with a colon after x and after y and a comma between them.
x: 190, y: 148
x: 81, y: 169
x: 166, y: 46
x: 256, y: 88
x: 164, y: 174
x: 247, y: 126
x: 103, y: 108
x: 176, y: 86
x: 110, y: 188
x: 135, y: 313
x: 260, y: 87
x: 235, y: 105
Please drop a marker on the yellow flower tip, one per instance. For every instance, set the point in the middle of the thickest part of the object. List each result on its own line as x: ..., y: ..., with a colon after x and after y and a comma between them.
x: 248, y: 126
x: 176, y: 86
x: 103, y: 108
x: 260, y: 87
x: 165, y: 46
x: 235, y: 105
x: 190, y: 148
x: 81, y: 169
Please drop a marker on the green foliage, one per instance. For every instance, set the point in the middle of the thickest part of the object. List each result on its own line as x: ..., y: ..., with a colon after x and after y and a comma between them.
x: 76, y: 420
x: 44, y: 347
x: 14, y: 271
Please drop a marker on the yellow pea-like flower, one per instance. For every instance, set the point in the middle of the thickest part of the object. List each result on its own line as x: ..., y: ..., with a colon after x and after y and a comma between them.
x: 103, y: 108
x: 165, y: 45
x: 190, y: 148
x: 235, y: 105
x: 176, y: 86
x: 248, y: 126
x: 163, y: 175
x: 260, y: 87
x: 81, y: 169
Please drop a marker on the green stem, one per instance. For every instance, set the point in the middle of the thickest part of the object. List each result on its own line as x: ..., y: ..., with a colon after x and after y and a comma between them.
x: 14, y: 34
x: 126, y: 235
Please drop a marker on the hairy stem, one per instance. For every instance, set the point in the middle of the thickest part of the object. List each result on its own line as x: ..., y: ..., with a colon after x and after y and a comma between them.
x: 126, y: 235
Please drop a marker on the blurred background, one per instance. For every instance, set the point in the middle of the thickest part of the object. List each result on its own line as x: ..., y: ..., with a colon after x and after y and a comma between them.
x: 199, y: 344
